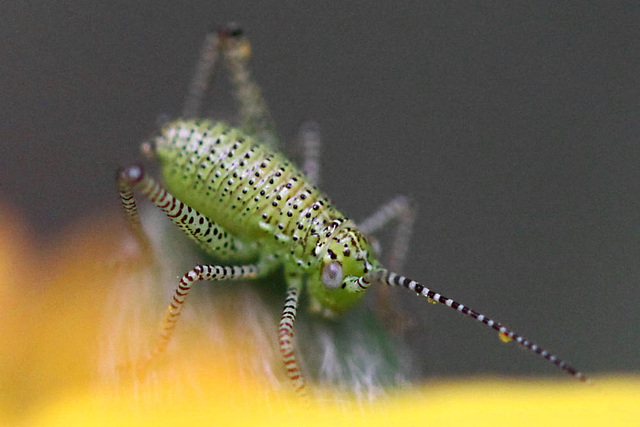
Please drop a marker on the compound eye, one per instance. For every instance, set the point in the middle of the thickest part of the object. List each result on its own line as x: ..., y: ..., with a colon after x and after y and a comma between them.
x: 332, y: 275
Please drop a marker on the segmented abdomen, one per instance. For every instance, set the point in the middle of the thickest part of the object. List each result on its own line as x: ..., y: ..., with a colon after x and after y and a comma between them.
x: 253, y: 193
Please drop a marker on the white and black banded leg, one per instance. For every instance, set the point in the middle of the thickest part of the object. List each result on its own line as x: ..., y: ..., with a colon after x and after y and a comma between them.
x: 286, y: 335
x: 208, y: 235
x: 199, y: 272
x: 125, y: 190
x: 393, y: 279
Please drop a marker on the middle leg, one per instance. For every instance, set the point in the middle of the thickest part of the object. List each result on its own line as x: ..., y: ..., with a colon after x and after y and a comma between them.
x: 401, y: 211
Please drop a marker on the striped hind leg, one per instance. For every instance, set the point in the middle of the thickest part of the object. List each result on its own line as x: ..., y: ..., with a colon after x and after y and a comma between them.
x: 255, y: 117
x: 205, y: 67
x: 230, y: 41
x: 310, y: 142
x: 207, y: 234
x: 210, y: 236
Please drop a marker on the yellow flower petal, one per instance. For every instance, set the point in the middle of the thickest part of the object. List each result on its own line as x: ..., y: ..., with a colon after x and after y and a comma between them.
x: 52, y: 328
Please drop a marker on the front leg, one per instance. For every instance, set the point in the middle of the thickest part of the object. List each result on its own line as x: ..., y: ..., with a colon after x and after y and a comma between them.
x: 208, y: 235
x: 199, y: 272
x: 286, y: 334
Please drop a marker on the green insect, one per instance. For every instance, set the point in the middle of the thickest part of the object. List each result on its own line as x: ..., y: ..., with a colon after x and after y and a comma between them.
x: 242, y: 201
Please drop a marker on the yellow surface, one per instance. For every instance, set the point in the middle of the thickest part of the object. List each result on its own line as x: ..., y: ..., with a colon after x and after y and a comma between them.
x: 54, y: 302
x: 477, y: 403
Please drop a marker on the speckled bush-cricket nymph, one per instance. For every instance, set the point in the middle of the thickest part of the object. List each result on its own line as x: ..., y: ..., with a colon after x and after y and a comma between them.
x: 242, y: 201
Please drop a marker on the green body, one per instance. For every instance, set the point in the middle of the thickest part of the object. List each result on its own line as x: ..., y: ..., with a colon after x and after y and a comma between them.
x: 265, y: 202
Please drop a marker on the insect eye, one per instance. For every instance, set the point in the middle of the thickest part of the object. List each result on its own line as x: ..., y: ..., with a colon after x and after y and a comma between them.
x: 332, y: 275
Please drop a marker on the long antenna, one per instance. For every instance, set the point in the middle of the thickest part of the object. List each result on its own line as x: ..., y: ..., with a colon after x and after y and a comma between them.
x: 393, y: 279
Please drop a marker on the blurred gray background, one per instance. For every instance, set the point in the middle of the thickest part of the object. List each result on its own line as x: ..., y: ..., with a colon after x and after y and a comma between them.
x: 514, y: 126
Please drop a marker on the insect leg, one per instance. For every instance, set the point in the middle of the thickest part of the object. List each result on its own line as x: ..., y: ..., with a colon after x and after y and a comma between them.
x: 285, y: 334
x: 133, y: 216
x: 199, y: 272
x: 255, y: 117
x: 399, y: 210
x: 209, y: 54
x: 208, y: 235
x: 309, y: 137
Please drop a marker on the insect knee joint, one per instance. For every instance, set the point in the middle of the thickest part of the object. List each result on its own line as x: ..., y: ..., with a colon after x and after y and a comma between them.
x: 130, y: 174
x: 230, y: 30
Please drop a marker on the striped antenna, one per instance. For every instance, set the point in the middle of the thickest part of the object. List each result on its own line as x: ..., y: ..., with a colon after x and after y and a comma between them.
x: 393, y: 279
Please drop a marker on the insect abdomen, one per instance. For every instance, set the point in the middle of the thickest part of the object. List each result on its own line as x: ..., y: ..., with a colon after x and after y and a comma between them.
x: 253, y: 193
